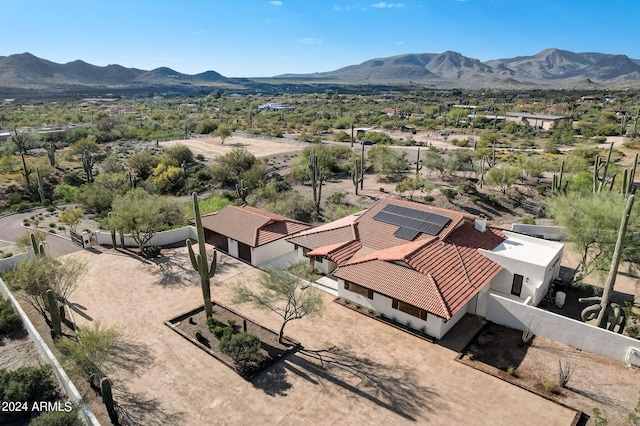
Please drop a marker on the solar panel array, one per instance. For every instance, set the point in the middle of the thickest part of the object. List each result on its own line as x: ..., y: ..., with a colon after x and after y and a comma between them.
x: 411, y: 222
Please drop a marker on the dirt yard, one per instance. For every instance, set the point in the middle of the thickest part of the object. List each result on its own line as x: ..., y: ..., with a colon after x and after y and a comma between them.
x: 350, y: 368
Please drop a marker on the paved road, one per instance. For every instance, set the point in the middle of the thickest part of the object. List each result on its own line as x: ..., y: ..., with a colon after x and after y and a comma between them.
x: 11, y: 229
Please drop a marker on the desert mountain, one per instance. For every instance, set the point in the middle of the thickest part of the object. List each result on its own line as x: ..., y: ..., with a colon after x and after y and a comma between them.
x: 551, y: 68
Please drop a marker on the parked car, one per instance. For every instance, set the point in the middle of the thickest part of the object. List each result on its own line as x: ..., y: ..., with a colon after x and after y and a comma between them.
x: 367, y: 142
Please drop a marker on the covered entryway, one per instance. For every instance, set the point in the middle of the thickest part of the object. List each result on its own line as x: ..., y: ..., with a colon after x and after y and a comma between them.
x: 215, y: 239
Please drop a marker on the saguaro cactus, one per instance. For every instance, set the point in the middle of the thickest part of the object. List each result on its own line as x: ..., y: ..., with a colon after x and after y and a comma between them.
x: 51, y: 147
x: 242, y: 191
x: 199, y: 260
x: 87, y: 165
x: 38, y: 249
x: 628, y: 184
x: 107, y: 398
x: 316, y: 173
x: 26, y: 171
x: 602, y: 179
x: 557, y: 186
x: 356, y: 175
x: 56, y: 322
x: 43, y: 198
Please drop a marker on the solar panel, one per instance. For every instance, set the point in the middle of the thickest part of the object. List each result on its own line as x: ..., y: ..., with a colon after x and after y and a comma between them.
x: 406, y: 233
x: 413, y: 220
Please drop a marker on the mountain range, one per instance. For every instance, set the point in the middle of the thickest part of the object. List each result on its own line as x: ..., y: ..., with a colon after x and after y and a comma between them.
x: 549, y: 68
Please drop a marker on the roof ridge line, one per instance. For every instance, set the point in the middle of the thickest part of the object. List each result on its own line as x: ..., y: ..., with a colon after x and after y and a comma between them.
x: 441, y: 297
x: 464, y: 268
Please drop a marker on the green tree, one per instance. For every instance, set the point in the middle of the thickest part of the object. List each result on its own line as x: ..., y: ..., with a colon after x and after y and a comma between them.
x: 243, y: 348
x: 99, y: 195
x: 85, y: 144
x: 93, y: 348
x: 142, y: 215
x: 387, y: 161
x: 168, y: 179
x: 181, y: 153
x: 503, y: 177
x: 410, y: 184
x: 223, y: 132
x: 229, y: 167
x: 71, y: 217
x: 142, y: 163
x: 281, y: 293
x: 32, y: 279
x: 591, y: 222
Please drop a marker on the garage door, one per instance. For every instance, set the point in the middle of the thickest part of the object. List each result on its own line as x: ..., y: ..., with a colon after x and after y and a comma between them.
x: 218, y: 240
x: 244, y: 252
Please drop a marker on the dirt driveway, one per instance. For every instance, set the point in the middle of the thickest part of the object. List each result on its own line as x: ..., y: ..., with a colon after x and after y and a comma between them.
x: 387, y: 376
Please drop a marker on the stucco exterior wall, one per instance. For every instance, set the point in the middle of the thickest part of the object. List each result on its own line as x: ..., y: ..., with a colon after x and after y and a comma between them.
x: 266, y: 253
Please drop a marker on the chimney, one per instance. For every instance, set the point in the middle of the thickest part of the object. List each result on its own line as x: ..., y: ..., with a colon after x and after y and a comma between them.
x: 481, y: 223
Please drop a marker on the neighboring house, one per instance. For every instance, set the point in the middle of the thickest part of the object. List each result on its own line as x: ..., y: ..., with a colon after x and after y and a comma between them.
x: 427, y: 266
x: 544, y: 122
x: 275, y: 107
x: 254, y: 235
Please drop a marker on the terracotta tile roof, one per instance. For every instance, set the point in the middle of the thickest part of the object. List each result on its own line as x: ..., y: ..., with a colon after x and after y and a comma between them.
x: 379, y: 235
x: 338, y: 253
x: 251, y: 226
x: 313, y: 240
x: 397, y: 282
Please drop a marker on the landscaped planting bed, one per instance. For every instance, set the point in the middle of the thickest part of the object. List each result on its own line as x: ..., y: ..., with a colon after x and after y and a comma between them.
x: 271, y: 349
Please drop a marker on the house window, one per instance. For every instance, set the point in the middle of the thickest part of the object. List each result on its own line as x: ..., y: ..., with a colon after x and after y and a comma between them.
x: 409, y: 309
x: 305, y: 250
x: 358, y: 289
x: 516, y: 287
x: 319, y: 259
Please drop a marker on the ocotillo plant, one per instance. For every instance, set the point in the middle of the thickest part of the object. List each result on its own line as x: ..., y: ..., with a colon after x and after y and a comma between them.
x: 600, y: 180
x: 26, y: 171
x: 107, y: 398
x: 356, y: 175
x: 242, y: 191
x: 316, y: 174
x: 87, y: 165
x: 199, y: 260
x: 43, y: 199
x: 56, y: 323
x: 50, y: 147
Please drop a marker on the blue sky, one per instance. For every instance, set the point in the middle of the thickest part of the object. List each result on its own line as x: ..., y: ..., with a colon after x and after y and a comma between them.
x: 259, y: 38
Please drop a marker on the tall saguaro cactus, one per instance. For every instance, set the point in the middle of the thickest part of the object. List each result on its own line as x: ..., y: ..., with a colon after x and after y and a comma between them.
x: 51, y: 147
x: 356, y: 175
x: 26, y: 171
x: 87, y: 165
x: 316, y: 173
x: 602, y: 179
x: 38, y: 249
x: 55, y: 314
x: 418, y: 165
x: 199, y: 260
x: 557, y: 181
x: 43, y: 199
x: 242, y: 191
x: 107, y: 399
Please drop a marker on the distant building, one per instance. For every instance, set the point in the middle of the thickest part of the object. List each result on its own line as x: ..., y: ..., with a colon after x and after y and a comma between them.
x: 544, y: 122
x: 275, y: 107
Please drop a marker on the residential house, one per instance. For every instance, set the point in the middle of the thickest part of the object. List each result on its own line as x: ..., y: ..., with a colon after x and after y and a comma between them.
x: 427, y: 266
x: 275, y: 107
x: 253, y: 235
x: 544, y: 122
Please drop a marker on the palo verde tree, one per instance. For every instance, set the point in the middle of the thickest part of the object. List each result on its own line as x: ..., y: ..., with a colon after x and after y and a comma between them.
x: 141, y: 215
x: 282, y: 293
x: 591, y: 222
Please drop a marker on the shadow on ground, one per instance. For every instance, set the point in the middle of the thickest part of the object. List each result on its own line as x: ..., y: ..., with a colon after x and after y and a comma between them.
x: 143, y: 410
x: 389, y: 386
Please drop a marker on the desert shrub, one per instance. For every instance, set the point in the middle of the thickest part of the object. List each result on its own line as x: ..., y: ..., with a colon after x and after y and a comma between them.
x: 28, y: 385
x: 199, y: 157
x: 493, y: 200
x: 151, y: 252
x: 474, y: 199
x: 550, y: 386
x: 64, y: 192
x: 429, y: 198
x: 467, y: 187
x: 72, y: 178
x: 633, y: 331
x: 450, y: 193
x: 9, y: 319
x: 528, y: 220
x: 218, y: 331
x: 511, y: 370
x: 565, y: 371
x: 231, y: 322
x: 242, y: 348
x: 57, y: 418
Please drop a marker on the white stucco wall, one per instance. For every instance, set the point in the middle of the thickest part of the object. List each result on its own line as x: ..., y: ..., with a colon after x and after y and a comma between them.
x: 268, y: 252
x: 159, y: 239
x: 570, y: 332
x: 434, y: 325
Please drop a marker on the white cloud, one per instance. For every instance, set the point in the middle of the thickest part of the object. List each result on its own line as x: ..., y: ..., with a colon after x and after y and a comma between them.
x: 383, y: 5
x: 310, y: 40
x: 197, y: 32
x: 276, y: 3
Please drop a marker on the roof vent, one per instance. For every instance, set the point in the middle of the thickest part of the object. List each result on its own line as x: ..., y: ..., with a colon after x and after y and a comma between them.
x: 481, y: 223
